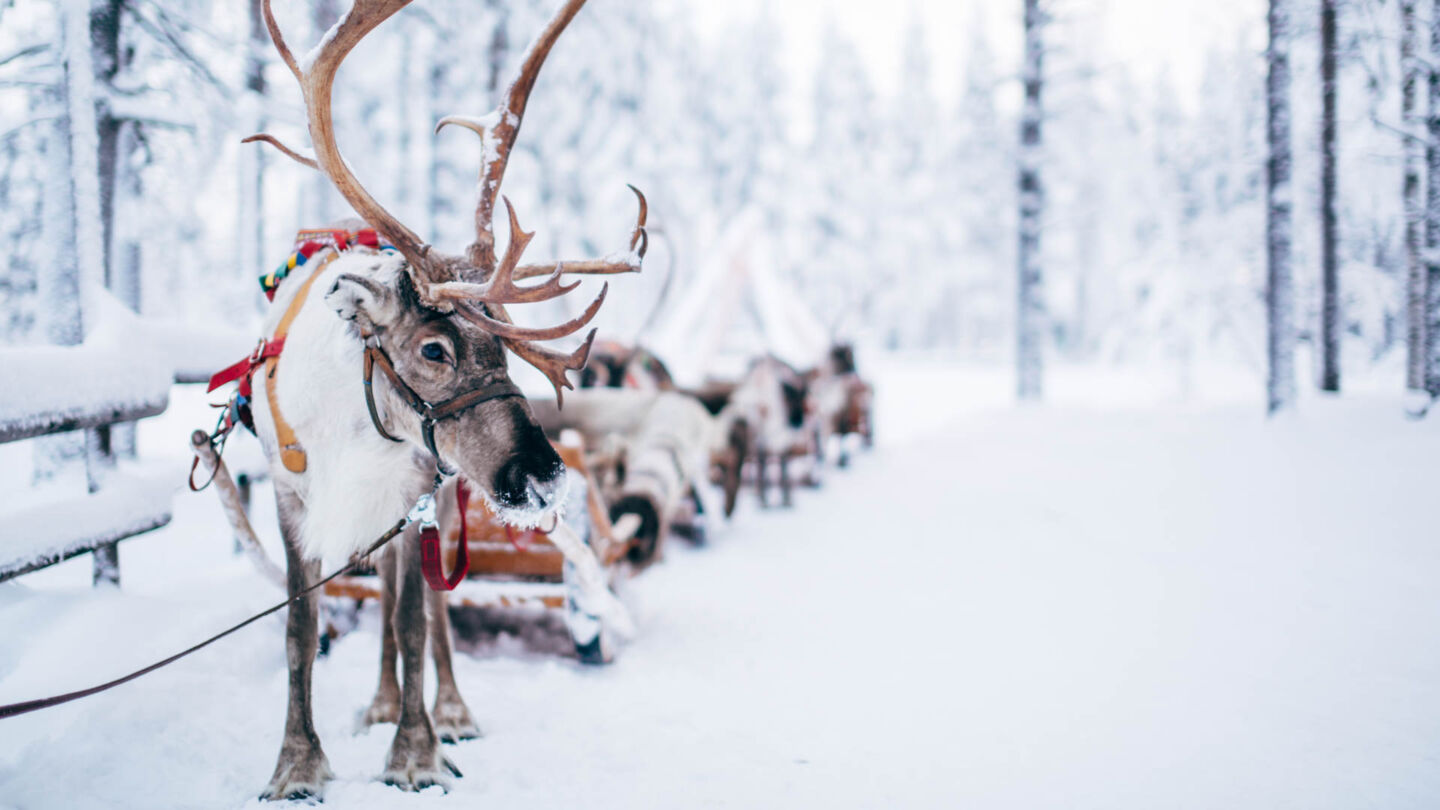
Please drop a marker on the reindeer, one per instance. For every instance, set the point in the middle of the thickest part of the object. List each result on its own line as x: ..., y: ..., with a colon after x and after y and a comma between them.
x: 771, y: 406
x: 617, y: 365
x: 841, y: 402
x: 350, y: 451
x: 654, y: 451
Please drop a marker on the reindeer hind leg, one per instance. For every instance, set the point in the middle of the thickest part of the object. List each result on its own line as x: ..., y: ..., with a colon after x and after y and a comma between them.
x: 453, y: 721
x: 415, y: 761
x: 385, y: 707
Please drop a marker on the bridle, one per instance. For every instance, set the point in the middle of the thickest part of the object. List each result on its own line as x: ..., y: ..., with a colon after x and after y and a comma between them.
x: 429, y: 413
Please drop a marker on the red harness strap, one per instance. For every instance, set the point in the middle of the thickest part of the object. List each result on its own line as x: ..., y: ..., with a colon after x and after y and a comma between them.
x: 245, y: 369
x: 430, y: 563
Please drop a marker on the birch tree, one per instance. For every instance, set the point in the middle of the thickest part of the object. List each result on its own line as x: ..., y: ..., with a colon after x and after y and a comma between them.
x: 1279, y: 295
x: 1030, y: 316
x: 1432, y: 213
x: 80, y: 103
x: 1329, y: 218
x: 108, y: 60
x: 72, y: 214
x: 115, y: 141
x: 1414, y: 212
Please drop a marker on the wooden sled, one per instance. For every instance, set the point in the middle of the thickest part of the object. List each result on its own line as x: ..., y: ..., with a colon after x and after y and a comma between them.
x: 525, y: 568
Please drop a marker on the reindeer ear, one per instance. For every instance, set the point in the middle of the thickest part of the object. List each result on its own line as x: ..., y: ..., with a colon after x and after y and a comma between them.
x: 365, y: 301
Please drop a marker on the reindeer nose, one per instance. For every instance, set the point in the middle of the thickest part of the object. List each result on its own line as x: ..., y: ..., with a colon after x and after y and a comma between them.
x: 530, y: 480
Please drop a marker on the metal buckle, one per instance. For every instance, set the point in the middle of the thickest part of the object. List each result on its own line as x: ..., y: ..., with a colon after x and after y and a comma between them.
x: 259, y: 352
x: 424, y: 511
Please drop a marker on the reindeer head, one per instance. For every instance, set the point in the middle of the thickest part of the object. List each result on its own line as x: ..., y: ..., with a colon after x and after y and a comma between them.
x: 437, y: 322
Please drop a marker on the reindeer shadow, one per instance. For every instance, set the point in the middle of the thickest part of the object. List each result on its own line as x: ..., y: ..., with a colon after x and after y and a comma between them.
x: 489, y: 632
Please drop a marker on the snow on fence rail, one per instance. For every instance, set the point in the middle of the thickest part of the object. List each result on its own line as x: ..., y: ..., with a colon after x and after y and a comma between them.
x: 52, y: 389
x: 122, y: 372
x: 41, y: 536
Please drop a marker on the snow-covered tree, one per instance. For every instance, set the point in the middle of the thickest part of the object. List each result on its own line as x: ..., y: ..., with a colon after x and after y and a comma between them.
x: 915, y: 260
x: 842, y: 273
x: 898, y: 218
x: 1330, y: 317
x: 1432, y: 212
x: 1031, y: 315
x: 1280, y: 304
x: 1410, y: 67
x: 978, y: 204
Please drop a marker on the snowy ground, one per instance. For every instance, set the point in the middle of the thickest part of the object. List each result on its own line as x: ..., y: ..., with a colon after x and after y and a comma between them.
x: 1077, y: 605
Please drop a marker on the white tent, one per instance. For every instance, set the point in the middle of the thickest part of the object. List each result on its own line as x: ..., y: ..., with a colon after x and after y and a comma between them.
x: 736, y: 308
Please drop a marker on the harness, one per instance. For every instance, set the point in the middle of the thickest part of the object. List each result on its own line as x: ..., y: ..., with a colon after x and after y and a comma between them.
x: 267, y: 352
x: 292, y: 455
x: 430, y: 413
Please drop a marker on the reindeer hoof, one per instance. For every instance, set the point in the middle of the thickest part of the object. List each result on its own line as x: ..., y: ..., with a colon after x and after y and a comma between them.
x: 415, y: 778
x: 299, y: 778
x: 416, y: 763
x: 453, y: 722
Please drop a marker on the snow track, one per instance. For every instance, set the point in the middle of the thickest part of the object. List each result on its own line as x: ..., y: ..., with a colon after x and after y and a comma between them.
x: 1050, y: 607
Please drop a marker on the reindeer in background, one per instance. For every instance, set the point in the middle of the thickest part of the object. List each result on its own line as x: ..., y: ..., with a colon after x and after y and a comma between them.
x: 842, y: 402
x: 617, y: 365
x: 770, y: 403
x: 350, y: 451
x: 651, y: 452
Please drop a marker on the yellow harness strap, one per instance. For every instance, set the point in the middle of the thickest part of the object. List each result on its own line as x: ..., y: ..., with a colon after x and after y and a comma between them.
x: 292, y: 455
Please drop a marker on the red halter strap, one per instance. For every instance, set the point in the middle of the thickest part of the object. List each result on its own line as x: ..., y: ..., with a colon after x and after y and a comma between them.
x: 431, y: 564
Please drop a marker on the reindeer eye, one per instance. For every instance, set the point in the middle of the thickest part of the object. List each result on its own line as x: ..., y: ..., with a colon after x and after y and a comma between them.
x: 433, y: 352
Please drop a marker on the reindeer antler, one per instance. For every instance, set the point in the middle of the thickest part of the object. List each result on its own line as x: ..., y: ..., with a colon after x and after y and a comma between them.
x: 629, y: 263
x: 498, y: 131
x: 317, y: 80
x: 441, y: 280
x: 500, y: 287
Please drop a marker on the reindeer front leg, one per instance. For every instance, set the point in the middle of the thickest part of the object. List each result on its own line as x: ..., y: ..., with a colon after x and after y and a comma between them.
x: 415, y: 761
x: 301, y: 770
x: 452, y: 717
